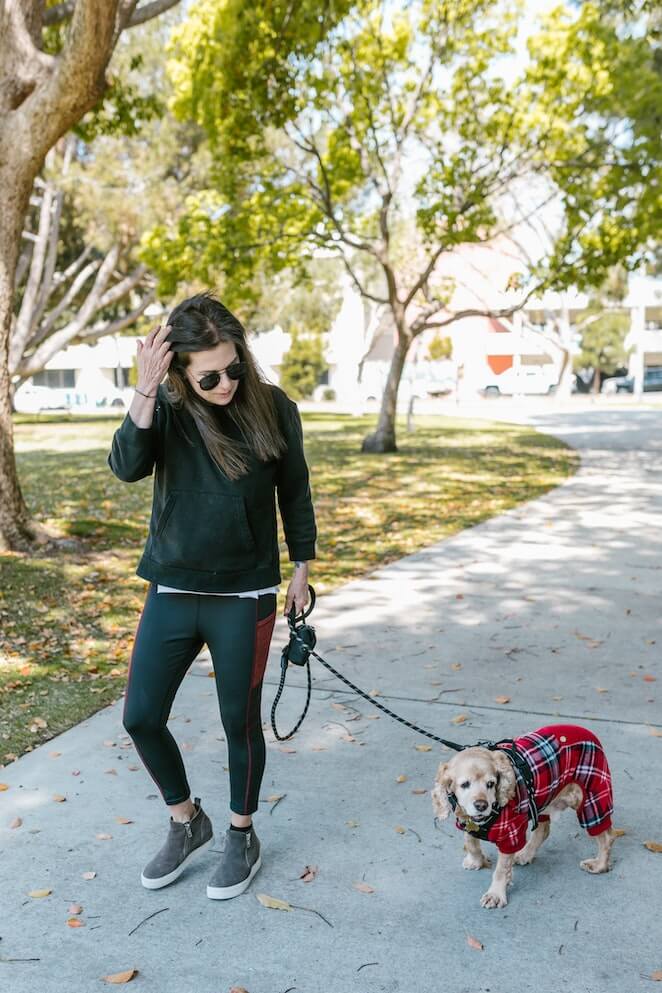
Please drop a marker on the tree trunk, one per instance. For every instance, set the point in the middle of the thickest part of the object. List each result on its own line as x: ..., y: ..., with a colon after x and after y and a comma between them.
x: 383, y: 439
x: 597, y: 381
x: 16, y: 531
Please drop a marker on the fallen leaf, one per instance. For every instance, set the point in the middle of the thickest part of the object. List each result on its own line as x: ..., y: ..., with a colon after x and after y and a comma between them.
x: 287, y: 751
x: 103, y: 837
x: 363, y: 887
x: 59, y: 798
x: 649, y: 679
x: 4, y: 786
x: 273, y: 903
x: 347, y: 737
x: 275, y: 796
x: 656, y: 976
x: 502, y: 699
x: 16, y: 822
x: 474, y: 943
x: 352, y: 824
x: 309, y: 873
x: 374, y: 693
x: 121, y: 977
x: 401, y: 779
x: 656, y: 732
x: 39, y: 893
x: 460, y: 719
x: 399, y: 828
x: 238, y: 989
x: 109, y: 744
x: 653, y: 846
x: 419, y: 792
x: 618, y: 832
x: 338, y: 706
x: 75, y: 922
x: 423, y: 748
x: 89, y: 875
x: 456, y: 666
x: 110, y: 772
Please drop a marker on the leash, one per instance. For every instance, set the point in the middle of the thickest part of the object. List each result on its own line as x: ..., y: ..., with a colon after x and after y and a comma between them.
x: 299, y: 649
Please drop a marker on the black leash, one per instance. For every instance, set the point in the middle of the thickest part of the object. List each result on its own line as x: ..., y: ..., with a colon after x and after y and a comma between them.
x: 298, y: 651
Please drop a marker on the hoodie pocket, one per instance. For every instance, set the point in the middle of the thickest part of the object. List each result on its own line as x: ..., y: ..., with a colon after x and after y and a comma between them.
x: 205, y: 532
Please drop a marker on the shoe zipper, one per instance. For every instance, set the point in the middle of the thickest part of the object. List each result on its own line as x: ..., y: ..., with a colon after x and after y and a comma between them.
x: 188, y: 829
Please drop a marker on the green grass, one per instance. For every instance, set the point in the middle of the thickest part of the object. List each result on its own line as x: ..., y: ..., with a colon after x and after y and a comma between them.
x: 67, y: 620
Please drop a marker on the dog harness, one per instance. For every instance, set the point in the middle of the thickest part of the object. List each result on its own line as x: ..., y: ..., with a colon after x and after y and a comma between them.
x: 545, y: 762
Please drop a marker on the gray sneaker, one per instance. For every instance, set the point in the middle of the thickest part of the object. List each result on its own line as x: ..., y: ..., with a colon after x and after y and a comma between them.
x: 183, y: 841
x: 239, y: 862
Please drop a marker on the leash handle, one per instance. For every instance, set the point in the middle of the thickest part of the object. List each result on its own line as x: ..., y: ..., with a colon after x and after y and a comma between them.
x: 292, y: 615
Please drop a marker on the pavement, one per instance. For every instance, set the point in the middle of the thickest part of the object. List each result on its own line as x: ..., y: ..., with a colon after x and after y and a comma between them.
x: 554, y: 605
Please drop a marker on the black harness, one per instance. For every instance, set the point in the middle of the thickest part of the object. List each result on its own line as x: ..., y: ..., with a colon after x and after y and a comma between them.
x: 522, y: 772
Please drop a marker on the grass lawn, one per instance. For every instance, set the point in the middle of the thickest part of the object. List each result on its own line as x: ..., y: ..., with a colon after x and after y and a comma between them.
x: 67, y: 620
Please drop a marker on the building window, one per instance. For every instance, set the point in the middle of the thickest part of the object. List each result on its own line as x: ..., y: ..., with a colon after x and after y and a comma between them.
x: 121, y: 376
x: 55, y: 378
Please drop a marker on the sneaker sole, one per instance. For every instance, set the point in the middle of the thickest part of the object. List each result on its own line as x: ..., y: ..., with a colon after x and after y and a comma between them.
x: 155, y: 883
x: 227, y: 892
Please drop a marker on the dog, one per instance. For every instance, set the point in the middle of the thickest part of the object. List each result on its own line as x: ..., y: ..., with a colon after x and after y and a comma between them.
x: 486, y: 787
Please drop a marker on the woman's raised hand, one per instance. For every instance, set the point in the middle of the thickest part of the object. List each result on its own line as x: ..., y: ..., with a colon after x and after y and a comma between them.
x: 153, y: 358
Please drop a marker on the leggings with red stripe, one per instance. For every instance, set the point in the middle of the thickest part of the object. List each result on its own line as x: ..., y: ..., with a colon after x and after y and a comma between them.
x: 172, y: 629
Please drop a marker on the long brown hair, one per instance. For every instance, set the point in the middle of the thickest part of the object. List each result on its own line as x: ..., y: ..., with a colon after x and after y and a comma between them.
x: 198, y: 323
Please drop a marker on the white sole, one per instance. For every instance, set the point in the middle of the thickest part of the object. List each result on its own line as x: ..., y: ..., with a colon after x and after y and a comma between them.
x: 226, y: 892
x: 156, y: 884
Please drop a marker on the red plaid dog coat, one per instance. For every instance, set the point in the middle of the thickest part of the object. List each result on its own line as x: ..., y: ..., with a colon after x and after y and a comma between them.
x: 557, y: 755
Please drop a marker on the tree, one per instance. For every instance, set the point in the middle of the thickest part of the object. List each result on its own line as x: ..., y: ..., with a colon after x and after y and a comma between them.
x: 48, y: 81
x: 394, y: 139
x: 302, y: 365
x: 603, y: 327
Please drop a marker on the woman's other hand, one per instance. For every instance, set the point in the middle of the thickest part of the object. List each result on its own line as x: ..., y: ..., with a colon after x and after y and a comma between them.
x: 153, y: 358
x: 297, y: 591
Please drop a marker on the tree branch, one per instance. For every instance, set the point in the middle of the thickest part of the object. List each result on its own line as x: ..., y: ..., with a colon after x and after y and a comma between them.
x: 63, y: 11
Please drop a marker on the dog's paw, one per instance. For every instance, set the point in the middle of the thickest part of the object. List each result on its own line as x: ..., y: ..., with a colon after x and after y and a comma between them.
x: 476, y: 862
x: 524, y: 857
x: 594, y: 865
x: 493, y: 899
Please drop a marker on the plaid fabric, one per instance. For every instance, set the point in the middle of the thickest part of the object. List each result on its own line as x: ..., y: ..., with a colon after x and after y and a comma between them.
x: 558, y: 754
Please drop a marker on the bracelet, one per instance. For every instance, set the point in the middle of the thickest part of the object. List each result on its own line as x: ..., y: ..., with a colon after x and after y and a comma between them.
x: 151, y: 395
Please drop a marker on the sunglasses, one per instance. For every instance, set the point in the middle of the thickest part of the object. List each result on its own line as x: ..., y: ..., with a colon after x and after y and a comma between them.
x: 235, y: 371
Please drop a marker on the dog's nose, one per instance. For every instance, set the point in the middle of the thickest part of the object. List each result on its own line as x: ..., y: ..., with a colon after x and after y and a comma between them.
x: 480, y: 805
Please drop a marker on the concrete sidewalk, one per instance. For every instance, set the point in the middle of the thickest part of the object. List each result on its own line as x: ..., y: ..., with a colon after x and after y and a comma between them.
x: 555, y: 605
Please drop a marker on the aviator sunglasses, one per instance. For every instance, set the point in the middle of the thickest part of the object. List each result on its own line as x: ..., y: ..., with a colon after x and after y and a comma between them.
x: 235, y: 371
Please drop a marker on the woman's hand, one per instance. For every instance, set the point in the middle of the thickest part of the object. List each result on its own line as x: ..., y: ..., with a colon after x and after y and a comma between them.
x: 153, y: 358
x: 297, y: 591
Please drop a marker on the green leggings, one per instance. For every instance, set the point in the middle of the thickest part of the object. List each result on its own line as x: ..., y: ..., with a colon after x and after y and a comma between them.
x: 172, y: 629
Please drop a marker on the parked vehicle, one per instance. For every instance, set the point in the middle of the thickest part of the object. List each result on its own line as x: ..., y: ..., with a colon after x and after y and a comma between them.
x: 625, y: 384
x: 528, y: 380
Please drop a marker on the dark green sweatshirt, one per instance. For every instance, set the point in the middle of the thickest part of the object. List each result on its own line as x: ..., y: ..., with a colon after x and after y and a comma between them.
x: 208, y: 532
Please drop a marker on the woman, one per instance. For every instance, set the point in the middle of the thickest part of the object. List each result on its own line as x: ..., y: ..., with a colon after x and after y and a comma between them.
x: 224, y: 444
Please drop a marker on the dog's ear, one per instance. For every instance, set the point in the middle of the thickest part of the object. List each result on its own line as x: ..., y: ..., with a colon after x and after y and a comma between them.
x: 507, y: 783
x: 443, y: 785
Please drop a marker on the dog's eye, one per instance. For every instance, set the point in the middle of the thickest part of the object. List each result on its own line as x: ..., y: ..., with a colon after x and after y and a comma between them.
x: 465, y: 785
x: 491, y: 784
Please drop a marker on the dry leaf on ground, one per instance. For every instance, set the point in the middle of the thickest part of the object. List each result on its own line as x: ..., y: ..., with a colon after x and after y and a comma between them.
x: 474, y: 943
x: 273, y: 903
x: 59, y: 798
x: 400, y: 829
x: 502, y: 699
x: 103, y: 837
x: 419, y: 792
x: 401, y: 779
x: 89, y: 875
x: 309, y: 873
x: 75, y: 922
x: 423, y: 748
x: 460, y: 719
x: 657, y: 976
x: 121, y: 977
x: 653, y: 846
x: 4, y: 786
x: 39, y: 893
x: 363, y: 887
